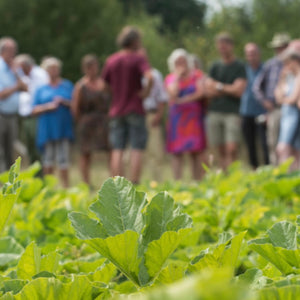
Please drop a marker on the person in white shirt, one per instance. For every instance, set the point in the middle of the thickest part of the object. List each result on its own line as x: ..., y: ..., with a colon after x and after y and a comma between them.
x: 34, y: 77
x: 154, y: 106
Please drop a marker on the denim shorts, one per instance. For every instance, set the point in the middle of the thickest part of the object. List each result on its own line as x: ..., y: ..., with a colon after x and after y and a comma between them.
x: 130, y: 129
x: 289, y: 126
x: 57, y: 151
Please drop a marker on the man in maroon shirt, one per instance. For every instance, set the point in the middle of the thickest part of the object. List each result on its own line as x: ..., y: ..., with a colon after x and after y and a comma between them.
x: 123, y: 73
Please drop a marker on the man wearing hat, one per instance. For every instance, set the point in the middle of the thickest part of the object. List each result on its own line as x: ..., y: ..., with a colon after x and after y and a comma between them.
x: 264, y: 89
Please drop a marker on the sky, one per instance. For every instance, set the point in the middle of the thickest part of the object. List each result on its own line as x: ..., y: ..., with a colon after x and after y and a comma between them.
x: 215, y: 5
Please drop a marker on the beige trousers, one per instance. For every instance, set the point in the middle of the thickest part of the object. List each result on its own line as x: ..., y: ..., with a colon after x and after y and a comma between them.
x: 155, y: 152
x: 273, y: 126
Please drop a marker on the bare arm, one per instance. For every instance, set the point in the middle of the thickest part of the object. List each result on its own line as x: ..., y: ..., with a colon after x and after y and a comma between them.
x: 295, y: 95
x: 76, y: 101
x: 147, y: 88
x: 43, y: 108
x: 279, y: 91
x: 236, y: 89
x: 19, y: 86
x: 197, y: 95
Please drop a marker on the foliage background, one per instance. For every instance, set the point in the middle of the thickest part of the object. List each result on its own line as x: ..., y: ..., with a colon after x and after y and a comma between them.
x: 71, y: 28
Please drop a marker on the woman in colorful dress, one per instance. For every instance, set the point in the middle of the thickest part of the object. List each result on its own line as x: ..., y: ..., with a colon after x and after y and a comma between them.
x: 90, y: 109
x: 185, y: 125
x: 287, y: 94
x: 54, y: 130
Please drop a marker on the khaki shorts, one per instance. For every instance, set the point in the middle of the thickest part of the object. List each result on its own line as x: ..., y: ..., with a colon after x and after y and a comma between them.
x: 223, y: 128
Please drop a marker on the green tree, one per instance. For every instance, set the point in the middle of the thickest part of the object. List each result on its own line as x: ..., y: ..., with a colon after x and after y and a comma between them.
x: 174, y: 12
x: 67, y: 29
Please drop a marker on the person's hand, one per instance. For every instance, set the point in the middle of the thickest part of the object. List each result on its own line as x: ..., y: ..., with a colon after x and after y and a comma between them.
x: 268, y: 105
x: 51, y: 106
x: 21, y: 86
x: 156, y: 120
x: 210, y: 87
x: 179, y: 71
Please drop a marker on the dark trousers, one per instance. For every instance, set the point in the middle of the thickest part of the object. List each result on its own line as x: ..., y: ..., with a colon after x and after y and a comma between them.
x: 252, y: 131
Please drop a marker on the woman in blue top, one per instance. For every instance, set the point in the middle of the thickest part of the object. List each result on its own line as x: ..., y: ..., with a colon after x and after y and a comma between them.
x: 288, y: 95
x: 54, y: 130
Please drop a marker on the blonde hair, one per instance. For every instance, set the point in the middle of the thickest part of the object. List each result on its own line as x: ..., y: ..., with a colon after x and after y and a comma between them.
x: 51, y: 61
x: 175, y: 55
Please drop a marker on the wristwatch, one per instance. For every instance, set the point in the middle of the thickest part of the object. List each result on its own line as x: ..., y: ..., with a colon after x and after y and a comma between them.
x: 219, y: 86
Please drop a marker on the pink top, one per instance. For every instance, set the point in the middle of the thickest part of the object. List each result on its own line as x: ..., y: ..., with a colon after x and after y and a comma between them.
x: 123, y: 71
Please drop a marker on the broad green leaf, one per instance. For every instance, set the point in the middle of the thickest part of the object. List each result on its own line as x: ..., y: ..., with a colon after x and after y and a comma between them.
x: 119, y: 207
x: 159, y: 250
x: 104, y: 274
x: 122, y: 251
x: 231, y: 254
x: 52, y: 289
x: 171, y: 273
x: 284, y: 234
x: 32, y: 263
x: 10, y: 250
x: 10, y: 193
x: 268, y: 251
x: 224, y: 255
x: 85, y: 227
x: 291, y: 256
x: 161, y: 216
x: 136, y: 238
x: 14, y: 286
x: 283, y: 293
x: 254, y: 277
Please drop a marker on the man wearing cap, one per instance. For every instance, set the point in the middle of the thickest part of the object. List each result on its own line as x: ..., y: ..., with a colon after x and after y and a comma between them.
x: 225, y: 88
x: 264, y: 88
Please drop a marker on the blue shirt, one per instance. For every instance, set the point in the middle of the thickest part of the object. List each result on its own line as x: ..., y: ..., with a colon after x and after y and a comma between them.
x: 54, y: 125
x: 8, y: 79
x: 250, y: 106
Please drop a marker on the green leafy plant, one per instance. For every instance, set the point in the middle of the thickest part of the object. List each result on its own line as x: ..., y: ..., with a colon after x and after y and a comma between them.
x: 279, y: 247
x: 9, y: 194
x: 137, y: 236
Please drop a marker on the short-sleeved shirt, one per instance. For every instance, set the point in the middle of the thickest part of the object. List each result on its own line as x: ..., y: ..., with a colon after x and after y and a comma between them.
x: 227, y: 74
x: 8, y: 79
x: 158, y: 92
x: 54, y: 125
x: 250, y: 106
x: 123, y: 72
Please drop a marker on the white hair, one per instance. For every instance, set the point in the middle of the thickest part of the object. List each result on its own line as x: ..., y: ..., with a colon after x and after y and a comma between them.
x: 51, y: 61
x: 25, y: 59
x: 175, y: 55
x: 3, y: 42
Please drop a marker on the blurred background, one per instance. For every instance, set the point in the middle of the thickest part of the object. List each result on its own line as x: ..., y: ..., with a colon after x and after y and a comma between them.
x: 69, y: 29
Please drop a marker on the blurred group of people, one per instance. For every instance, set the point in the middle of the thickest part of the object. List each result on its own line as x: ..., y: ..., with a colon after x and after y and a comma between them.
x: 128, y: 101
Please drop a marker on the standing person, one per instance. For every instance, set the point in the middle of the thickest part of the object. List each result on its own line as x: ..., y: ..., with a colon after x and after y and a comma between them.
x: 225, y: 88
x: 251, y: 110
x: 264, y: 88
x: 34, y: 76
x: 54, y: 130
x: 287, y: 94
x: 123, y: 73
x: 155, y: 105
x: 185, y: 127
x: 10, y: 87
x: 90, y: 108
